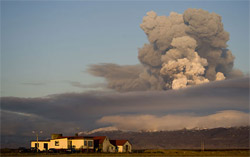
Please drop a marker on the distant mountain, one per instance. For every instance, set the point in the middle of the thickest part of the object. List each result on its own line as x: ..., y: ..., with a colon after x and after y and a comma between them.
x: 218, y: 138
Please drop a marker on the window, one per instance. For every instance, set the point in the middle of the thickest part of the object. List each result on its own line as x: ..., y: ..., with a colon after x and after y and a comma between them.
x: 56, y: 143
x: 85, y: 143
x: 90, y: 143
x: 36, y: 145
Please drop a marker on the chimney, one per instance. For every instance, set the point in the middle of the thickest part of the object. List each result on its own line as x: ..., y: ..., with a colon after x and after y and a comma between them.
x: 55, y: 136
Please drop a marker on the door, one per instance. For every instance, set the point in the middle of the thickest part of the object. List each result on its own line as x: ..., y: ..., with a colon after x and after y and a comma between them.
x: 126, y: 148
x: 69, y: 144
x: 37, y: 145
x: 45, y: 146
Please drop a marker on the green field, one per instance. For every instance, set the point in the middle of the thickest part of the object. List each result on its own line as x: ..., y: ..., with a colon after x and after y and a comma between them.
x: 146, y: 153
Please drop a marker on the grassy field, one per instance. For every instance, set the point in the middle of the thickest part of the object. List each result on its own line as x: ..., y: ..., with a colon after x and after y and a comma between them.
x: 147, y: 153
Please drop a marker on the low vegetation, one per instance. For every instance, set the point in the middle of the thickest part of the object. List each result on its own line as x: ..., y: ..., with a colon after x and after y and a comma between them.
x: 154, y: 152
x: 199, y: 152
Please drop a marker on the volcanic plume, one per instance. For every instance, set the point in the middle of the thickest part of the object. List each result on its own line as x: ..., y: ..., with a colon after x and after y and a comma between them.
x: 183, y: 50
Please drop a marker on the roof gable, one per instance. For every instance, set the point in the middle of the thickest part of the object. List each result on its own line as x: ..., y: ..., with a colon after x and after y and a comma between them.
x: 100, y: 139
x: 118, y: 142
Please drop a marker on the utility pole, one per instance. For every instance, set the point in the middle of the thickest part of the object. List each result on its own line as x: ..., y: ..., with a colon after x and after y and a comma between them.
x: 202, y: 139
x: 37, y: 133
x: 202, y: 145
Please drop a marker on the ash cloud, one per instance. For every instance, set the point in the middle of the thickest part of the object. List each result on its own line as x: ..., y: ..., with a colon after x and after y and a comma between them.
x: 84, y: 108
x: 183, y: 50
x: 123, y: 78
x: 63, y: 113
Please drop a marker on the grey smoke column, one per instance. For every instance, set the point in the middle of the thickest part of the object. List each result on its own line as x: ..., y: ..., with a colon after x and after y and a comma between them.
x: 183, y: 50
x: 186, y: 49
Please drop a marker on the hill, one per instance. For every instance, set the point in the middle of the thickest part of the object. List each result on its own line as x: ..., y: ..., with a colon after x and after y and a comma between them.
x: 218, y: 138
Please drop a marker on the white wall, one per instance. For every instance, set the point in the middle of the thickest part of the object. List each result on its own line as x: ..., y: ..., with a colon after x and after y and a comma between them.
x: 122, y: 149
x: 40, y: 145
x: 79, y: 143
x: 129, y: 147
x: 106, y: 146
x: 111, y: 148
x: 89, y: 146
x: 63, y: 143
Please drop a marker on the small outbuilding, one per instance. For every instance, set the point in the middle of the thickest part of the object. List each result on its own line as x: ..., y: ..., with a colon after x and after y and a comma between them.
x: 102, y: 144
x: 122, y: 146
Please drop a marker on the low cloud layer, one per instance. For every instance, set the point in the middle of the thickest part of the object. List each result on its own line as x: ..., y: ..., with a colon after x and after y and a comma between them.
x: 183, y: 50
x: 227, y: 118
x: 64, y: 113
x: 22, y: 124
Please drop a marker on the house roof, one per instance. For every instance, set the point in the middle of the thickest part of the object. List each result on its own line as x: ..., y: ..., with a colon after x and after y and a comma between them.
x: 40, y: 141
x: 100, y: 139
x: 74, y: 137
x: 118, y: 142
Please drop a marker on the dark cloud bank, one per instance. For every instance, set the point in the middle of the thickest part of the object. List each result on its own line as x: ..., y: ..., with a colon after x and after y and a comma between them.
x: 89, y: 110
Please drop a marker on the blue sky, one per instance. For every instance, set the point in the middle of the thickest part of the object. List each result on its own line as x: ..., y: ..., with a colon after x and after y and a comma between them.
x: 44, y: 45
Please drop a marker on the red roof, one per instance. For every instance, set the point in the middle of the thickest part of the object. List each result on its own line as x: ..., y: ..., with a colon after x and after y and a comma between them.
x: 40, y: 141
x: 100, y: 139
x: 118, y: 142
x: 74, y: 137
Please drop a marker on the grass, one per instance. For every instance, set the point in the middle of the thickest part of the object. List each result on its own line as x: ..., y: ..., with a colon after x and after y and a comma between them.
x: 200, y: 153
x: 157, y: 152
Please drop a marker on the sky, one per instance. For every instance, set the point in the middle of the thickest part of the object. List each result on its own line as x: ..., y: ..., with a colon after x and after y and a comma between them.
x: 64, y: 64
x: 47, y: 46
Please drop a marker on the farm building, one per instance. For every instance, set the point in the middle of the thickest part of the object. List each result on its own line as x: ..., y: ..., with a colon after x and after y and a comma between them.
x: 122, y: 145
x: 42, y: 145
x: 82, y: 144
x: 65, y: 142
x: 102, y: 144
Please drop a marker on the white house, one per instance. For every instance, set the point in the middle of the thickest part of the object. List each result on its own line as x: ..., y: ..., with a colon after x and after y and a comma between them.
x: 122, y: 146
x: 65, y: 142
x: 82, y: 144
